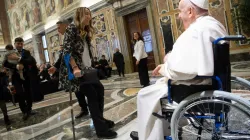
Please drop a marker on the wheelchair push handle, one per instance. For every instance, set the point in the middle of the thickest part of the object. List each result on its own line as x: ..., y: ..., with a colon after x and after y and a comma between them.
x: 230, y: 38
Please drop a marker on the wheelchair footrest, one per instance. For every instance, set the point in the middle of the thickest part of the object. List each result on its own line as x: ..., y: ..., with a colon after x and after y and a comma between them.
x: 158, y: 115
x: 166, y: 115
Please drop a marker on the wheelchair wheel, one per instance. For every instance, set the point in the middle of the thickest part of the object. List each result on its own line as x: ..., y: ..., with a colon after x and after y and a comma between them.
x: 211, y: 115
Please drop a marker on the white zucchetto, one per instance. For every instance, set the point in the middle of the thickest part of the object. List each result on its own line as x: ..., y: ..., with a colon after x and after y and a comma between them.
x: 203, y: 4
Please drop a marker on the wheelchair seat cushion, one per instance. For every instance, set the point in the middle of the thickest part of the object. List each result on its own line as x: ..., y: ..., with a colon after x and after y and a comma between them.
x: 180, y: 92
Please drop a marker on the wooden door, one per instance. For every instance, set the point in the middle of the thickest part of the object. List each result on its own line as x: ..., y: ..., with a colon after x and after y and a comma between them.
x: 138, y: 22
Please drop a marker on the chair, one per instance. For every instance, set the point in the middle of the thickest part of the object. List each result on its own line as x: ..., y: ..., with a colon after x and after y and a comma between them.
x: 208, y: 109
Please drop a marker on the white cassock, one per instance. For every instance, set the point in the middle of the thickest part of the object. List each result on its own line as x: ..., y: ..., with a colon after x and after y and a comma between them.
x: 192, y: 55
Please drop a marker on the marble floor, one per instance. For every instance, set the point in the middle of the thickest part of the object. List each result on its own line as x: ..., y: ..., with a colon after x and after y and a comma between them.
x: 53, y: 118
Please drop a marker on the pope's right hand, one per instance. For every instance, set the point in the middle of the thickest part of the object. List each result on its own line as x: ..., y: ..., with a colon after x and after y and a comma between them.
x: 52, y: 70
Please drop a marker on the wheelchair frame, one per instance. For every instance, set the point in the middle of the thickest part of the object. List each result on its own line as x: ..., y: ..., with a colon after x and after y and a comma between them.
x: 217, y: 117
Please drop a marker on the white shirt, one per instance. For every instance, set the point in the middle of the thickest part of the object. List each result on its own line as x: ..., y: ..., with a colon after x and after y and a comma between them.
x: 192, y: 53
x: 86, y: 60
x: 139, y: 50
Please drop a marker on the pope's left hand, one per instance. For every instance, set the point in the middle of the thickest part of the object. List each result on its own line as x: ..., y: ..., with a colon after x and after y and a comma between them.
x: 156, y: 70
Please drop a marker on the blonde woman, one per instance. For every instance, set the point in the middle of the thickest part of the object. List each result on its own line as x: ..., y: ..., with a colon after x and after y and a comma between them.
x: 76, y: 43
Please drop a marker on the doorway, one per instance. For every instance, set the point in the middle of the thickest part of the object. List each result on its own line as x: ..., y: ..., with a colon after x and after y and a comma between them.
x: 138, y: 22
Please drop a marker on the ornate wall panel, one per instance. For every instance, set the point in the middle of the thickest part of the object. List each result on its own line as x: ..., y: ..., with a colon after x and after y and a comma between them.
x: 1, y: 34
x: 29, y: 46
x: 54, y: 40
x: 26, y: 15
x: 105, y: 39
x: 2, y: 54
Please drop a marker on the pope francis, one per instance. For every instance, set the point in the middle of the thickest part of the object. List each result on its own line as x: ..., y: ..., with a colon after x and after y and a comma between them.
x: 192, y: 55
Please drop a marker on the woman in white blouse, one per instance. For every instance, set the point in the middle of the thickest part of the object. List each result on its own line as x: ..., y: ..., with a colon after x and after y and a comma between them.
x: 141, y: 59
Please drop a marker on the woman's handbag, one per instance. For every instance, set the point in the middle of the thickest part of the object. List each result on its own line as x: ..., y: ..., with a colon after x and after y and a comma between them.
x: 89, y: 75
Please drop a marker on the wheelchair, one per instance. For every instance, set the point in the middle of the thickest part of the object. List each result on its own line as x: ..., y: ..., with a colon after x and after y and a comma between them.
x: 209, y: 112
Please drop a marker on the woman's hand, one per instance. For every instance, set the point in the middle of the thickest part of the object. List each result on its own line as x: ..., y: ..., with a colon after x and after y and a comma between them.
x: 77, y: 72
x: 156, y: 70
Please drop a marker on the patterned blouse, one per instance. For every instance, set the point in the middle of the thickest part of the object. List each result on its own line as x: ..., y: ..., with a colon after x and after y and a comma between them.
x: 73, y: 44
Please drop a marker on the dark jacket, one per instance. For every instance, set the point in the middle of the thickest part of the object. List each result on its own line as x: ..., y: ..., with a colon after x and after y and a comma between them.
x: 104, y: 62
x: 30, y: 69
x: 59, y: 60
x: 118, y: 59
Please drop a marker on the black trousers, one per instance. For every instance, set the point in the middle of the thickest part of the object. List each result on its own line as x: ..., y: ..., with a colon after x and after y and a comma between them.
x: 107, y: 71
x: 35, y: 86
x: 143, y: 72
x: 3, y: 108
x: 81, y: 100
x: 95, y: 95
x: 120, y: 69
x: 23, y: 93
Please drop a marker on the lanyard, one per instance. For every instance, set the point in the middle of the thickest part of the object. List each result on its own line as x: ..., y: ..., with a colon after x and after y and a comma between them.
x: 22, y: 53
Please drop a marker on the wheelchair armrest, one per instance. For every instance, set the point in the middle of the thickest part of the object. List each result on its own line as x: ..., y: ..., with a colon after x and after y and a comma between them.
x: 230, y: 38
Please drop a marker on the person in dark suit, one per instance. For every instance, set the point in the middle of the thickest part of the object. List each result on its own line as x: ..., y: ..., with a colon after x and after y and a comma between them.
x: 96, y: 64
x: 118, y: 59
x: 105, y: 66
x: 23, y: 87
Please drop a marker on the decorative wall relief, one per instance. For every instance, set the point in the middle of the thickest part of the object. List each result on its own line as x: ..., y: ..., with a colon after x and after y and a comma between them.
x: 36, y: 11
x: 33, y: 13
x: 2, y: 54
x: 29, y: 46
x: 105, y: 38
x: 53, y: 43
x: 10, y: 3
x: 162, y: 6
x: 240, y: 18
x: 99, y: 24
x: 67, y: 2
x: 110, y: 21
x: 1, y: 35
x: 103, y: 47
x: 175, y: 3
x: 167, y: 33
x: 114, y: 42
x: 16, y: 21
x: 26, y: 20
x: 217, y: 10
x: 50, y: 7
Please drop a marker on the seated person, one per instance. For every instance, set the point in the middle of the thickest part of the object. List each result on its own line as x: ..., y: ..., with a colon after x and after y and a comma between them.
x: 192, y: 55
x: 10, y: 50
x: 96, y: 64
x: 105, y: 66
x: 100, y: 71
